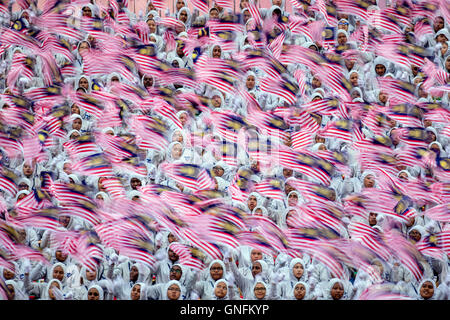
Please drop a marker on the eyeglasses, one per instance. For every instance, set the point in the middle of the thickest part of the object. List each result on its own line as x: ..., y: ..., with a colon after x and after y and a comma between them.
x: 93, y: 294
x: 175, y: 270
x: 174, y: 289
x: 260, y: 289
x: 216, y: 268
x: 343, y: 23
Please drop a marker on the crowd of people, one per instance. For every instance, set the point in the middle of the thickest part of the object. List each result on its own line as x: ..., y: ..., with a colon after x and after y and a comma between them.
x: 220, y: 154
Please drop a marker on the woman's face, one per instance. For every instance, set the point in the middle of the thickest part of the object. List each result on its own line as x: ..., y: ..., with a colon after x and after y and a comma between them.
x: 59, y: 254
x: 58, y: 273
x: 337, y: 291
x: 250, y: 83
x: 438, y: 24
x: 427, y: 290
x: 177, y: 151
x: 217, y: 52
x: 83, y: 83
x: 172, y: 255
x: 134, y: 273
x: 91, y: 275
x: 343, y: 25
x: 76, y: 124
x: 316, y: 83
x: 298, y: 270
x: 415, y: 235
x: 260, y: 290
x: 218, y: 171
x: 216, y: 101
x: 369, y: 181
x: 380, y: 69
x: 136, y: 292
x: 177, y: 136
x: 247, y: 16
x: 173, y: 292
x: 372, y: 218
x: 354, y: 79
x: 86, y: 12
x: 293, y: 199
x: 288, y: 188
x: 342, y: 39
x: 151, y: 25
x: 93, y: 294
x: 243, y: 4
x: 148, y: 82
x: 221, y: 290
x: 135, y: 183
x: 256, y: 255
x: 175, y: 273
x: 183, y: 118
x: 183, y: 16
x: 179, y: 4
x: 252, y: 202
x: 444, y: 48
x: 256, y: 268
x: 75, y: 109
x: 447, y: 64
x: 100, y: 184
x: 299, y: 291
x: 216, y: 271
x: 23, y: 186
x: 214, y: 14
x: 27, y: 170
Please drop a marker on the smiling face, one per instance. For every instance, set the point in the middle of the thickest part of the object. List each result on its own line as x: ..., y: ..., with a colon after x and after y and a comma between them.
x: 427, y: 290
x: 183, y: 16
x: 260, y: 290
x: 217, y: 52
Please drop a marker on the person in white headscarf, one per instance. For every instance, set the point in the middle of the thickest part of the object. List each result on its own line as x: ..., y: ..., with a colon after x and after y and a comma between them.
x: 94, y: 292
x: 204, y: 289
x: 260, y: 272
x: 300, y: 291
x: 295, y: 273
x: 337, y: 289
x: 14, y: 291
x: 174, y: 290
